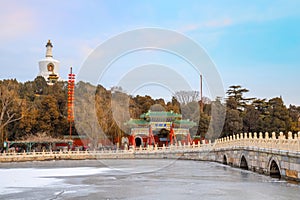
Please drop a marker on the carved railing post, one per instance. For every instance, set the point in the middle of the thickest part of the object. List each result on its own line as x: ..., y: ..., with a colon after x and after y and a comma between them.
x: 250, y: 135
x: 260, y: 135
x: 254, y: 140
x: 255, y: 135
x: 290, y: 141
x: 273, y: 135
x: 260, y: 140
x: 246, y: 140
x: 227, y: 141
x: 267, y: 139
x: 267, y: 135
x: 282, y: 141
x: 290, y: 135
x: 237, y: 142
x: 273, y: 141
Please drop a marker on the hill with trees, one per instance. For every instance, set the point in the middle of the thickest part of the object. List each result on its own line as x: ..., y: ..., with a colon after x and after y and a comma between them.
x: 34, y: 107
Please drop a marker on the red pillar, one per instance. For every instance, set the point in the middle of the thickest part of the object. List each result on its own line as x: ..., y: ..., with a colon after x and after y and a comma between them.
x: 150, y: 136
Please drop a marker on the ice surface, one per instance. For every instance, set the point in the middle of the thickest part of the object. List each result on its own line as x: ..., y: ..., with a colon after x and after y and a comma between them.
x: 137, y: 179
x: 16, y: 179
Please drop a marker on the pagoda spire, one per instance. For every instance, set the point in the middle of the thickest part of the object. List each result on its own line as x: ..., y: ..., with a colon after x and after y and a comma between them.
x: 49, y: 49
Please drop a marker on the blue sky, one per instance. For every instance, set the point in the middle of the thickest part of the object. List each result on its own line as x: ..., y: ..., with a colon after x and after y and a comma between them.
x: 256, y: 45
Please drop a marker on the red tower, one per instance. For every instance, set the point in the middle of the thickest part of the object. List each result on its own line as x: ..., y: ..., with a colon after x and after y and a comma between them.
x: 71, y: 86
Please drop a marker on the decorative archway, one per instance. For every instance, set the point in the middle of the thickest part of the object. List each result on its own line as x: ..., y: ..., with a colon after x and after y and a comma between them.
x: 138, y: 141
x: 163, y: 137
x: 164, y: 133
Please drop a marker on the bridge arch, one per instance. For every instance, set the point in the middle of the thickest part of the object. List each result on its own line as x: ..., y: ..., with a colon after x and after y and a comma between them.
x: 274, y: 168
x: 244, y: 163
x: 225, y: 162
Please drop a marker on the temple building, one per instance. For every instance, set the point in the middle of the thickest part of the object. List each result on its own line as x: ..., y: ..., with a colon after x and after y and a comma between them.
x: 49, y: 67
x: 159, y: 128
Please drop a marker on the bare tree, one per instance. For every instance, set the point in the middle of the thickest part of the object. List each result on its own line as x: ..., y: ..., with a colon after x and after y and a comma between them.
x: 185, y: 97
x: 10, y: 104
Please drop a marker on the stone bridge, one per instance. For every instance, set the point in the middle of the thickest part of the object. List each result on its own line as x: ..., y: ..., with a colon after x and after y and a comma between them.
x: 275, y: 156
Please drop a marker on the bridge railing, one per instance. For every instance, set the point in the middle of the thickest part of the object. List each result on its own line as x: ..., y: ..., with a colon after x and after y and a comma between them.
x: 178, y: 147
x: 149, y: 149
x: 61, y: 153
x: 290, y: 143
x: 280, y: 142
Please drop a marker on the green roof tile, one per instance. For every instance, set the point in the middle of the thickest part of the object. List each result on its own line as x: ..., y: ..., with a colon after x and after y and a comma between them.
x: 160, y: 114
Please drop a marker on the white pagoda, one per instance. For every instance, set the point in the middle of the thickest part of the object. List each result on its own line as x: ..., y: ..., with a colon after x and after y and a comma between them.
x: 49, y: 67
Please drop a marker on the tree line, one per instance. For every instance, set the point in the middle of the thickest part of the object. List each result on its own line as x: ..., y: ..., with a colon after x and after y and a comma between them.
x: 258, y: 115
x: 34, y: 107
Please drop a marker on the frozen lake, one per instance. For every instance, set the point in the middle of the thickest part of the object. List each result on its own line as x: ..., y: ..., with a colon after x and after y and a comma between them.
x: 137, y: 179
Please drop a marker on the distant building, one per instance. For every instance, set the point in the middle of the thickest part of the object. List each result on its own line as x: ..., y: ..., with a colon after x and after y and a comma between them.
x: 161, y: 128
x: 49, y: 67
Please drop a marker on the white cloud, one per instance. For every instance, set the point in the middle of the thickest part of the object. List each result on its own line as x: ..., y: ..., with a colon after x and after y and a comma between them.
x: 189, y: 27
x: 218, y: 23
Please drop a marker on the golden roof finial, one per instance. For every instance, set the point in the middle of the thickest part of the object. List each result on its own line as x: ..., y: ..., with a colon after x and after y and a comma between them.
x: 49, y: 44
